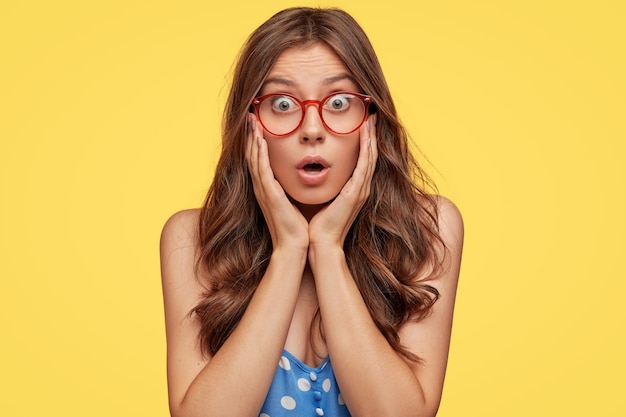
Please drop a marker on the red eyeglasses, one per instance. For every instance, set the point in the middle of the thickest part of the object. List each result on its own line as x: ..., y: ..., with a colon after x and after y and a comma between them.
x: 341, y: 113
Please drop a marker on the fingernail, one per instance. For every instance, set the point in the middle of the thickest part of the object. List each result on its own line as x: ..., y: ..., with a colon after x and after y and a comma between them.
x: 369, y: 142
x: 367, y: 125
x: 375, y: 118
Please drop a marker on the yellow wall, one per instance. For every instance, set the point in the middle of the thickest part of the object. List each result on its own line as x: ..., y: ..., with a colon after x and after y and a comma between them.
x: 109, y: 120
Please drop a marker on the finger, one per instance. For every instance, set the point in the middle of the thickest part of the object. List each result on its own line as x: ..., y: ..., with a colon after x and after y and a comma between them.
x: 363, y: 171
x: 373, y: 149
x: 367, y: 180
x: 362, y: 161
x: 367, y: 160
x: 373, y: 127
x: 266, y: 174
x: 250, y: 125
x: 253, y: 156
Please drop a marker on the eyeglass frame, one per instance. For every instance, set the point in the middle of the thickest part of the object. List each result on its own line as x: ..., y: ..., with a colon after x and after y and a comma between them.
x: 365, y: 99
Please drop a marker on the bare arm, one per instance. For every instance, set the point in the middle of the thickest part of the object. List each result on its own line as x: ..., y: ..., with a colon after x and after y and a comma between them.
x: 214, y: 386
x: 375, y: 380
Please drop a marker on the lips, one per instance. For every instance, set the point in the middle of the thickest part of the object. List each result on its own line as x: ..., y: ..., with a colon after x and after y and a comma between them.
x: 312, y: 170
x: 312, y: 162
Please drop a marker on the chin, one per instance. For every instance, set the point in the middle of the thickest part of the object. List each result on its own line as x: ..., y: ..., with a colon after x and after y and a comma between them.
x: 311, y: 199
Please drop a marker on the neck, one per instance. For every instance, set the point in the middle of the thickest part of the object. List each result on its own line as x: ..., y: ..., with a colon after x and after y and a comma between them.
x: 309, y: 210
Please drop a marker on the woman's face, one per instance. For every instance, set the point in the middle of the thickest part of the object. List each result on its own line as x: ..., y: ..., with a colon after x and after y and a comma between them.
x: 312, y: 164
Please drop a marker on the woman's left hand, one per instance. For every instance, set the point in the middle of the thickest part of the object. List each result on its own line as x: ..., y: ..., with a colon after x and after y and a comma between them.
x: 329, y: 227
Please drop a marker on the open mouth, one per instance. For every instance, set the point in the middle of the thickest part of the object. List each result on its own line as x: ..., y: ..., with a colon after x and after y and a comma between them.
x: 313, y: 168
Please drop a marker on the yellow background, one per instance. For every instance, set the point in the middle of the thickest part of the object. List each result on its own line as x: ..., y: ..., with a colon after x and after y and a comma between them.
x: 109, y: 123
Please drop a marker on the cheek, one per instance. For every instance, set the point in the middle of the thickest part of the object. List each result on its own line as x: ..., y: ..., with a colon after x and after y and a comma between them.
x: 347, y: 162
x: 278, y: 158
x: 352, y: 155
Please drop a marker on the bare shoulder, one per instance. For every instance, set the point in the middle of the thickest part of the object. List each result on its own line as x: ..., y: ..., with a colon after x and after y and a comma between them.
x: 449, y: 220
x: 451, y: 232
x: 451, y: 225
x: 179, y: 250
x: 180, y: 230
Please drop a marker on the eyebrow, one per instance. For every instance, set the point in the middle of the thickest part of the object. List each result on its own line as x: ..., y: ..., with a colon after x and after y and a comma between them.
x: 290, y: 83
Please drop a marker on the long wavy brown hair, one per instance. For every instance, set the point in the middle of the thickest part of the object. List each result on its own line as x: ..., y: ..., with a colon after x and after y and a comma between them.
x: 392, y: 241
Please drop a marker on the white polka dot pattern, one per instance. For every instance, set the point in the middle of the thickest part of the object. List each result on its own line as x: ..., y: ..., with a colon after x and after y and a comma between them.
x: 300, y: 390
x: 288, y: 403
x: 303, y: 384
x: 326, y: 385
x: 284, y: 363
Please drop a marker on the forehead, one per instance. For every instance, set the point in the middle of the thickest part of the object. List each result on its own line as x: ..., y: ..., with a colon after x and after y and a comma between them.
x: 314, y: 64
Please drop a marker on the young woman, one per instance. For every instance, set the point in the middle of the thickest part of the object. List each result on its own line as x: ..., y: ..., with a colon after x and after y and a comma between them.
x: 319, y: 278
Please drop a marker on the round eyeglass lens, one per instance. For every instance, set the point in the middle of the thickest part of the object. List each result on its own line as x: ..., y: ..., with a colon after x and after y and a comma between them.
x: 343, y: 112
x: 280, y: 114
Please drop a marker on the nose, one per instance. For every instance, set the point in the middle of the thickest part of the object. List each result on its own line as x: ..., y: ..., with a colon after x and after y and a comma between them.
x: 312, y: 127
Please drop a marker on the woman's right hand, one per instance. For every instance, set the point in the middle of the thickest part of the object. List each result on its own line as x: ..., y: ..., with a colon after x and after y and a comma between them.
x: 288, y: 227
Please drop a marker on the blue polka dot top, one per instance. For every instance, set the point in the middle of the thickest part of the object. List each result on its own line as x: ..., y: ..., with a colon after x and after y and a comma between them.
x: 301, y: 391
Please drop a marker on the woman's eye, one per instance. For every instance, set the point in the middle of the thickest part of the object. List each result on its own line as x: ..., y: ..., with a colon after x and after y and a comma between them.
x: 283, y: 103
x: 339, y: 102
